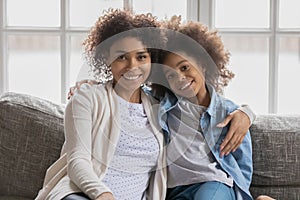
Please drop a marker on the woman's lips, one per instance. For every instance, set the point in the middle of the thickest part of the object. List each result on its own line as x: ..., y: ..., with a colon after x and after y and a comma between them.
x: 131, y: 77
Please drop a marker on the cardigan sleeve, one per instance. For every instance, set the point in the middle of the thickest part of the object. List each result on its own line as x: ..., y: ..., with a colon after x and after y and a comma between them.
x: 247, y: 110
x: 78, y: 134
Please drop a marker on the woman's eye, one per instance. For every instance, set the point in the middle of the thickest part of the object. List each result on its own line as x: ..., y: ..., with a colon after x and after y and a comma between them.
x: 121, y: 57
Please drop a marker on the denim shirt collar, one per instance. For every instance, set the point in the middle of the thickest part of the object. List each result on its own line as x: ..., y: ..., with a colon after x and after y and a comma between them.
x: 214, y: 101
x: 170, y: 100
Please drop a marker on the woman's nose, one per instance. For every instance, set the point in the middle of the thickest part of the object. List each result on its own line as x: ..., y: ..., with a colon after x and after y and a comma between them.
x: 132, y: 63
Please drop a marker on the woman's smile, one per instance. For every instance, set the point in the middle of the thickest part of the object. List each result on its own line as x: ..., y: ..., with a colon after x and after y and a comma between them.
x: 132, y: 76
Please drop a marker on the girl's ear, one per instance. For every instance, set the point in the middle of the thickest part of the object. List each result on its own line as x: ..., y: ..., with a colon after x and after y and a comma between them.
x: 201, y: 68
x: 204, y: 72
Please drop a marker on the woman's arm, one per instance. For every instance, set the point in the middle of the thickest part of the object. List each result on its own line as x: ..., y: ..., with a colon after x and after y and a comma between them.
x: 78, y: 134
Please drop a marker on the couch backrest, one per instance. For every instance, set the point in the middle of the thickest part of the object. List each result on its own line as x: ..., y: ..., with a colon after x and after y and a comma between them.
x: 31, y: 136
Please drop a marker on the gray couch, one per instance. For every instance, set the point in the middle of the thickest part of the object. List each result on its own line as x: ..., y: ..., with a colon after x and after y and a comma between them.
x: 31, y: 136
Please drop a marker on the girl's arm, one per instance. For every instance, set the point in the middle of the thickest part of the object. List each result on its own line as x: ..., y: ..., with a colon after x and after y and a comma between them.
x: 240, y: 121
x: 78, y: 84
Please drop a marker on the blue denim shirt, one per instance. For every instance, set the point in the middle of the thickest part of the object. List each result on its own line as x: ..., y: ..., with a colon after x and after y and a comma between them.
x: 237, y: 164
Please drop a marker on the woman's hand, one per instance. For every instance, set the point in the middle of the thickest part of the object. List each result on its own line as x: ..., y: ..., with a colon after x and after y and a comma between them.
x: 78, y: 84
x: 105, y: 196
x: 239, y: 125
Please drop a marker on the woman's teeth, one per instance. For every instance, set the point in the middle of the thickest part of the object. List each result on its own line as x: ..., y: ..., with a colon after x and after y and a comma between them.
x: 131, y: 77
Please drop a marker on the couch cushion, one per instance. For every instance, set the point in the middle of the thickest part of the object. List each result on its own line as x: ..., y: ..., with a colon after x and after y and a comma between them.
x: 276, y: 155
x: 31, y: 136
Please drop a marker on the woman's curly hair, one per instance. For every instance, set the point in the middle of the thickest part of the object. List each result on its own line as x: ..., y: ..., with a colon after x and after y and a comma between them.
x: 144, y: 27
x: 212, y: 54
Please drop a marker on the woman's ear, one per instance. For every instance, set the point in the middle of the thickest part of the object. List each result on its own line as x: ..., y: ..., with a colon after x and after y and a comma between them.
x: 107, y: 59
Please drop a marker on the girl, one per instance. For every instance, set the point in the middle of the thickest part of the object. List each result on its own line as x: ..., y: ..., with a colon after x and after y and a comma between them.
x: 196, y: 73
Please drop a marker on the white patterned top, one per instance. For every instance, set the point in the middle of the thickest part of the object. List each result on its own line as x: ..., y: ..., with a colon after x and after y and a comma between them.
x: 135, y: 156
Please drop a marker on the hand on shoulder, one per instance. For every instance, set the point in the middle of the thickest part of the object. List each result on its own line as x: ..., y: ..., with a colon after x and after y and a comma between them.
x: 239, y: 125
x: 78, y: 85
x: 264, y: 197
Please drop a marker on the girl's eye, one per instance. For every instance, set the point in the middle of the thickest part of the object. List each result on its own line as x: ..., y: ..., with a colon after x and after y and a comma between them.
x: 142, y: 57
x: 184, y: 67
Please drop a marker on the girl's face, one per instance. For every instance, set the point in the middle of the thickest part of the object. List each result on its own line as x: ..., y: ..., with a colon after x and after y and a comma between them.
x: 130, y: 63
x: 184, y: 75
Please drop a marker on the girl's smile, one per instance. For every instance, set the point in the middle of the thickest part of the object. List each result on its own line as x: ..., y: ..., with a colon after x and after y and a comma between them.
x: 185, y: 77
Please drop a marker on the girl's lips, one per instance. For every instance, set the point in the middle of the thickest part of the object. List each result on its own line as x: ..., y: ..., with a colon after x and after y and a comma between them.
x: 186, y: 85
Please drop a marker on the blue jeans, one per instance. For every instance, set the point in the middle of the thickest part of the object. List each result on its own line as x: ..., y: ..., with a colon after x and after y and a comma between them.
x: 202, y: 191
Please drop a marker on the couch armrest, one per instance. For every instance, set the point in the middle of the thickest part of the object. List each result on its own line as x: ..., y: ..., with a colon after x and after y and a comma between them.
x: 276, y: 155
x: 31, y: 136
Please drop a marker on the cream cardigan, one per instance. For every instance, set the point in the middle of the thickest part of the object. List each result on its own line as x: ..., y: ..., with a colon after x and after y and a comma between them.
x: 92, y: 132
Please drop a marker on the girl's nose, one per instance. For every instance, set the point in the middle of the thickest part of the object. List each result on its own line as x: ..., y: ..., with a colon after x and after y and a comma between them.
x: 181, y: 77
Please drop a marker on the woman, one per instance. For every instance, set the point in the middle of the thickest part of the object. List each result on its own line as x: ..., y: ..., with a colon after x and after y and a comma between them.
x: 106, y: 154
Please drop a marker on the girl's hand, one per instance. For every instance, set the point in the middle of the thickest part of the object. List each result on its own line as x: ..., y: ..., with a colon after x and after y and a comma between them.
x: 105, y: 196
x: 264, y: 197
x: 78, y: 84
x: 239, y: 125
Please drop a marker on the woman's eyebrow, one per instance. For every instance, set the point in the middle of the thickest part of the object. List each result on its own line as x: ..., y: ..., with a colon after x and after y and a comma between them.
x: 122, y: 52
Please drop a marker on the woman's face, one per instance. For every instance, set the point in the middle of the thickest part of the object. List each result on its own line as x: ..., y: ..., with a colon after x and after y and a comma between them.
x: 184, y: 75
x: 130, y: 63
